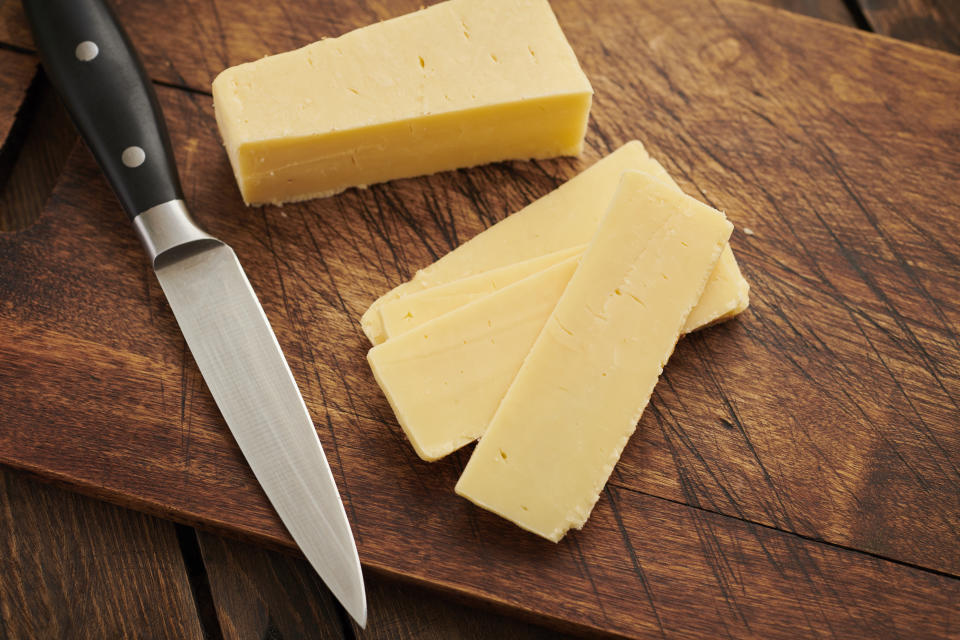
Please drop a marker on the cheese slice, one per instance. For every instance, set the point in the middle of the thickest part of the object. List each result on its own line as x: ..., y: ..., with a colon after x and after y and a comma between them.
x: 461, y: 83
x: 409, y: 312
x: 726, y: 295
x: 445, y: 379
x: 576, y: 400
x: 562, y: 219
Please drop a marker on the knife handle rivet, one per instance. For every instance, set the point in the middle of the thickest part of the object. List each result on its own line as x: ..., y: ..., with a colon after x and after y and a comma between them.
x: 86, y: 51
x: 133, y: 157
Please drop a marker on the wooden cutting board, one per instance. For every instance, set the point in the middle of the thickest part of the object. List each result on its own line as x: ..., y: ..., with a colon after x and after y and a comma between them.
x: 800, y: 465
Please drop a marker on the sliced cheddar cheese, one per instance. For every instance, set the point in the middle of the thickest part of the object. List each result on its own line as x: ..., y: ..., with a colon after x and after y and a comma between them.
x: 560, y: 428
x: 461, y: 83
x: 561, y: 220
x: 445, y: 379
x: 726, y: 295
x: 445, y: 376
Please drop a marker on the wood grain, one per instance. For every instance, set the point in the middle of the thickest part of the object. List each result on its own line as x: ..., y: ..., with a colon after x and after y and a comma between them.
x: 187, y: 45
x: 827, y: 411
x: 263, y: 594
x: 43, y: 149
x: 932, y: 23
x: 220, y: 33
x: 14, y: 30
x: 63, y: 578
x: 402, y: 610
x: 266, y: 594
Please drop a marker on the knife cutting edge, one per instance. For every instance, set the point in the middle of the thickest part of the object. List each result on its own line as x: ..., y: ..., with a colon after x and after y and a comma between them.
x: 95, y: 68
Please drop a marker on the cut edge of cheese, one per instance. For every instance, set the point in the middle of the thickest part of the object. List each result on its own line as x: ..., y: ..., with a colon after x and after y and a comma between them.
x: 726, y: 295
x: 538, y: 464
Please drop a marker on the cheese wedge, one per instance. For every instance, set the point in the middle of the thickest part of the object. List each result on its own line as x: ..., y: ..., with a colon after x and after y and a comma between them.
x: 576, y: 400
x: 562, y: 219
x: 461, y: 83
x: 445, y: 379
x: 409, y: 312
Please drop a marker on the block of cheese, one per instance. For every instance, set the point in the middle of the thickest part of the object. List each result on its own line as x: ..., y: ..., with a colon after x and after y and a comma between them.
x: 445, y: 379
x: 461, y: 83
x: 408, y: 312
x: 576, y: 400
x: 564, y: 218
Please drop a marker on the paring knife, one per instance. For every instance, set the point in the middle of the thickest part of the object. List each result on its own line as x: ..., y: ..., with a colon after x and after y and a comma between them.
x: 93, y: 65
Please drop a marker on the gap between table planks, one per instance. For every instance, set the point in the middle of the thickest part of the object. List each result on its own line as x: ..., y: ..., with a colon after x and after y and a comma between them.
x: 841, y: 87
x: 16, y: 72
x: 105, y: 573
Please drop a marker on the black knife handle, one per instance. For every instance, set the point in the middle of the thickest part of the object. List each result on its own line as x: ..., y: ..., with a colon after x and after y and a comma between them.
x: 93, y: 66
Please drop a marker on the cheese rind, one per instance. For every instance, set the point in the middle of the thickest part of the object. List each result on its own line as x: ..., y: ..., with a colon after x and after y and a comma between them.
x: 575, y: 401
x: 445, y: 379
x: 566, y: 217
x: 461, y: 83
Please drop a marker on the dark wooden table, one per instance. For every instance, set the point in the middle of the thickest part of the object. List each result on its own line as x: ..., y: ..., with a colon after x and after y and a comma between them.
x: 74, y: 567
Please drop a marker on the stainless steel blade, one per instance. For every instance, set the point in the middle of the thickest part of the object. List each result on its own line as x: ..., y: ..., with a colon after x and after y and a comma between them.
x: 244, y: 368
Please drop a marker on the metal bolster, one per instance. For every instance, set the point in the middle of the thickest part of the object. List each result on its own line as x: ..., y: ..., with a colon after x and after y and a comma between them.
x: 167, y: 226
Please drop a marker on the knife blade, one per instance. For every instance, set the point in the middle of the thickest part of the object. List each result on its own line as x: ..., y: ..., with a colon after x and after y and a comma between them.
x: 97, y: 72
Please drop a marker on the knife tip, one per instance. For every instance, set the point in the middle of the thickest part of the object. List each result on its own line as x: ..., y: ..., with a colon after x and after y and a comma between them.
x: 358, y: 610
